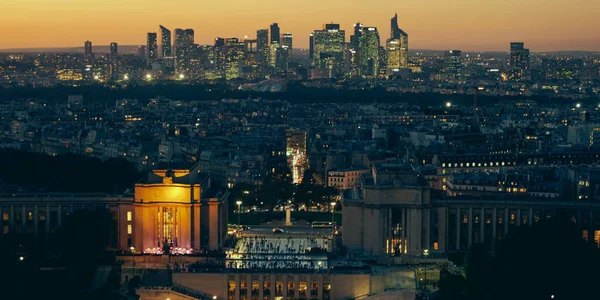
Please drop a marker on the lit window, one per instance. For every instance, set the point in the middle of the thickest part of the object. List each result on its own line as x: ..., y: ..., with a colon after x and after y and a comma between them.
x: 129, y: 216
x: 5, y: 216
x: 129, y: 229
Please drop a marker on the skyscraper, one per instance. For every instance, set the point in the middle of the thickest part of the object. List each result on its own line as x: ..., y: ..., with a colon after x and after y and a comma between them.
x: 165, y: 41
x: 368, y: 47
x: 282, y: 59
x: 112, y: 57
x: 354, y: 38
x: 287, y: 41
x: 184, y: 41
x: 519, y: 60
x: 452, y: 64
x: 262, y: 45
x: 328, y: 45
x: 397, y: 48
x: 275, y: 34
x: 151, y: 47
x: 235, y: 55
x: 311, y: 46
x: 114, y: 52
x: 87, y: 52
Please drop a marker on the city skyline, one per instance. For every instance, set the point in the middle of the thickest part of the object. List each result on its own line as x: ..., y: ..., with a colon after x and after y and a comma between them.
x: 473, y: 27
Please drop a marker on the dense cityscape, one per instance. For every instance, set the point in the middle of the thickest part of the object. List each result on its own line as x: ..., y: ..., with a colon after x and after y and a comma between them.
x: 252, y: 169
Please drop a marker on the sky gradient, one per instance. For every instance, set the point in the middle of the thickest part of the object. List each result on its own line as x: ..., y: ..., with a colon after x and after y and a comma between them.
x: 469, y: 25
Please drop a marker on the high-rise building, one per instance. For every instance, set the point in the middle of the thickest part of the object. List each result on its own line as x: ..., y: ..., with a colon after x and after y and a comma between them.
x: 394, y: 57
x: 354, y: 38
x: 287, y: 41
x: 328, y: 49
x: 262, y: 45
x: 183, y: 47
x: 273, y: 54
x: 152, y: 47
x: 88, y: 55
x: 368, y: 52
x: 165, y: 41
x: 282, y: 59
x: 396, y: 32
x: 519, y: 60
x: 452, y: 63
x: 275, y: 33
x: 396, y: 48
x: 189, y: 33
x: 311, y: 46
x: 114, y: 52
x: 112, y: 57
x: 235, y: 55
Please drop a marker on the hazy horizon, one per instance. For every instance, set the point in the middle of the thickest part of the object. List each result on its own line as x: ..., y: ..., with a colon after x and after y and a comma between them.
x: 544, y: 26
x: 105, y: 49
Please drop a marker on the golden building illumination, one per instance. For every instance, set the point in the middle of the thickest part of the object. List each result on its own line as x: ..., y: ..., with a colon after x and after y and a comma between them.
x: 178, y: 208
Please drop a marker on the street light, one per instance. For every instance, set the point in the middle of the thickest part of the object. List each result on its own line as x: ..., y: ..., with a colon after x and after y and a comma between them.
x: 214, y: 297
x: 21, y: 258
x: 448, y: 104
x: 425, y: 253
x: 133, y: 260
x: 332, y: 217
x: 239, y: 204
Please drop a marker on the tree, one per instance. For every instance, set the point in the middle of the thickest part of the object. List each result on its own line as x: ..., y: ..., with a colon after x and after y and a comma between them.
x: 84, y: 236
x: 536, y: 262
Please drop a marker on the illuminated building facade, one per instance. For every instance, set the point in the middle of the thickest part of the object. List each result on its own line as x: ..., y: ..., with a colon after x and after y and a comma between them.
x: 235, y: 55
x: 282, y: 57
x: 453, y: 64
x: 396, y: 49
x: 113, y: 55
x: 328, y: 45
x: 165, y: 41
x: 519, y: 60
x: 174, y: 208
x: 393, y: 56
x: 151, y: 47
x: 184, y: 41
x: 368, y: 52
x: 393, y: 213
x: 114, y: 52
x: 287, y: 40
x: 69, y: 74
x: 262, y: 46
x: 345, y: 179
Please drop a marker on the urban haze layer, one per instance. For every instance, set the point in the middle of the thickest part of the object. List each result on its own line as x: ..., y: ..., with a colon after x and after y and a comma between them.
x: 249, y: 169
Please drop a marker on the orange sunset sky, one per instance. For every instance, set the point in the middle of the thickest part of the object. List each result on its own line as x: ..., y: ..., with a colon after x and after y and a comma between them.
x: 469, y: 25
